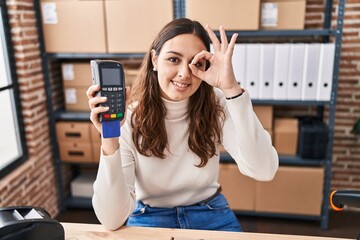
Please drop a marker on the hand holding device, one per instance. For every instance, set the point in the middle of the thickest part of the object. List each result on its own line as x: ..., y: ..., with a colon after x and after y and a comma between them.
x: 110, y: 76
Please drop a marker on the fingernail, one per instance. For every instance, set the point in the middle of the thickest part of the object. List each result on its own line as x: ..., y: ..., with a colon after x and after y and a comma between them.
x: 103, y: 98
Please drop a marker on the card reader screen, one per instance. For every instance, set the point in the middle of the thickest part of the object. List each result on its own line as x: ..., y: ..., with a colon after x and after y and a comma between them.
x: 111, y: 76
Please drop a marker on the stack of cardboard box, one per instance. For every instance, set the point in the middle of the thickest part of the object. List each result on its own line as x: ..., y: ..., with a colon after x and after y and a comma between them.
x: 103, y: 26
x: 79, y: 142
x: 76, y: 80
x: 286, y: 136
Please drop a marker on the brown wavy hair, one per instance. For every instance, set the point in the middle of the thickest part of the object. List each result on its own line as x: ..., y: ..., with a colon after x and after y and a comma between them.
x: 148, y: 119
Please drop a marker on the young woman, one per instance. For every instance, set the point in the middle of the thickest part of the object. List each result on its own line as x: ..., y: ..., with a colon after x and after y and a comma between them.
x: 163, y: 170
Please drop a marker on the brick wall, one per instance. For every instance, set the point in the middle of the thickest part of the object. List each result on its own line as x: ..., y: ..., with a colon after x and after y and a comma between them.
x: 34, y: 182
x: 346, y: 160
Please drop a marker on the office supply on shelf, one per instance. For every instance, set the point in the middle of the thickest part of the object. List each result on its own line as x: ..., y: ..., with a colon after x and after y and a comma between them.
x: 326, y: 68
x: 296, y: 71
x: 252, y: 69
x: 311, y: 71
x: 238, y: 62
x: 281, y: 69
x: 266, y: 83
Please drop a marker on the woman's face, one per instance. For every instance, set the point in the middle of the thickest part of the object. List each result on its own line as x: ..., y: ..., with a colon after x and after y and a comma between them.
x: 172, y: 64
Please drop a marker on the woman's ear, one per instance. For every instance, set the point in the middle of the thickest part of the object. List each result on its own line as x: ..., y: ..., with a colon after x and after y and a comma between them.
x: 154, y: 59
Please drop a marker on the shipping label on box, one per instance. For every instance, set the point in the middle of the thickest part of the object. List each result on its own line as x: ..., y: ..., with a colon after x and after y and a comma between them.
x: 269, y: 14
x: 49, y: 13
x: 68, y: 72
x: 70, y: 96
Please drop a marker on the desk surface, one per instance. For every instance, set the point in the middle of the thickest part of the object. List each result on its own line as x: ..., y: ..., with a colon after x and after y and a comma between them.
x: 77, y: 231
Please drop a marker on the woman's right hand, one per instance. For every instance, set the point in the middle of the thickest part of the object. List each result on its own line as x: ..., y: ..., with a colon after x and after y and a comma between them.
x: 95, y: 105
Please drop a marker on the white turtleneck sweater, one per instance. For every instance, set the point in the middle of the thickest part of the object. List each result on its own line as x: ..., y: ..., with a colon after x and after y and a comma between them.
x: 127, y: 176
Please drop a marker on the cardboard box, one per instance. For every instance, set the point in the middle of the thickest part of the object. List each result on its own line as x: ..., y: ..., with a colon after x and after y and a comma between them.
x: 82, y: 185
x: 95, y: 135
x: 76, y: 99
x: 75, y: 152
x: 270, y: 131
x: 96, y: 148
x: 76, y: 74
x: 73, y: 26
x: 265, y: 115
x: 238, y: 189
x: 232, y: 14
x: 294, y: 190
x: 283, y: 14
x: 286, y: 136
x: 73, y: 131
x: 132, y: 25
x: 130, y: 76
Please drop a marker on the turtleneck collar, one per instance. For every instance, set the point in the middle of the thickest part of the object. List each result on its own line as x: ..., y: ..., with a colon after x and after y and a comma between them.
x: 176, y: 110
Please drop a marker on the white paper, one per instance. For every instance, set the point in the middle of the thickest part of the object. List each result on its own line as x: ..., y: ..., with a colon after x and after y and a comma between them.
x: 68, y: 72
x: 70, y: 96
x: 49, y: 13
x: 269, y: 14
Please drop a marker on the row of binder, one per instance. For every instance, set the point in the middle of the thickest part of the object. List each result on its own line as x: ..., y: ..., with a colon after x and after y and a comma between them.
x: 285, y: 71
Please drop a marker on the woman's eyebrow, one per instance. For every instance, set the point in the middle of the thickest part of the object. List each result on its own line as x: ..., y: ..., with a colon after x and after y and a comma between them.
x: 176, y: 53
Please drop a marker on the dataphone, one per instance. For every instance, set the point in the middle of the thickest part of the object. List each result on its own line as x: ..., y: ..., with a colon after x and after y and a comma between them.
x: 110, y: 76
x: 29, y: 223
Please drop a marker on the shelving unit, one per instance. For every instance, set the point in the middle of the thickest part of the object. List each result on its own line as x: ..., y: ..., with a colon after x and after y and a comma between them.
x: 179, y: 11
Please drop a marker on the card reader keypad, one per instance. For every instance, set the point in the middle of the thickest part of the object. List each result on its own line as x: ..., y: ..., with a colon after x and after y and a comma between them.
x: 114, y: 102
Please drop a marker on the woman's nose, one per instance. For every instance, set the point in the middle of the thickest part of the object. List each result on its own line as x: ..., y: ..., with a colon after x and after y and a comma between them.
x: 184, y: 72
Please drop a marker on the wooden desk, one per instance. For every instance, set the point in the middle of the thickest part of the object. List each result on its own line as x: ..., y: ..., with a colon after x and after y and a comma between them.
x: 77, y: 231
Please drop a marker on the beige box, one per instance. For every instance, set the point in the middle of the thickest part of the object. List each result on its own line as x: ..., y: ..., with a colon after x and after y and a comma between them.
x: 95, y: 135
x: 96, y: 148
x: 75, y: 152
x: 232, y: 14
x: 238, y: 189
x: 132, y: 25
x: 130, y: 76
x: 265, y: 115
x: 73, y: 26
x: 73, y: 131
x: 283, y: 14
x: 76, y: 74
x: 270, y: 131
x: 76, y: 99
x: 286, y: 136
x: 294, y: 190
x: 82, y: 185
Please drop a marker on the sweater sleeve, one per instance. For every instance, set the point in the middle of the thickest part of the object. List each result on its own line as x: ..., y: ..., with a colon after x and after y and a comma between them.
x: 114, y: 191
x: 251, y: 145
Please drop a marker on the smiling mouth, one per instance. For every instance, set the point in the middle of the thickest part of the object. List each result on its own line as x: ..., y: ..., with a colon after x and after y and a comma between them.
x: 180, y: 85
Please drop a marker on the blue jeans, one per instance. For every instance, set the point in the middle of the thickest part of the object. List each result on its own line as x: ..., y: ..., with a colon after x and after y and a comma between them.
x: 212, y: 215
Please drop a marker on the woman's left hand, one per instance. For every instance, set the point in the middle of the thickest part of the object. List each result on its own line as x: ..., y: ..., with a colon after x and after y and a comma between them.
x: 220, y: 74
